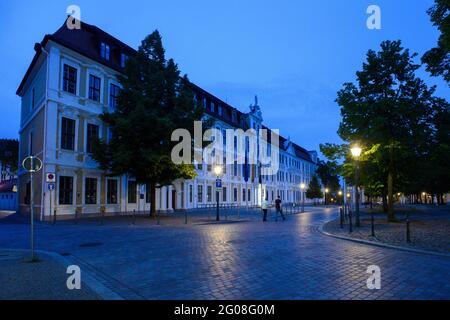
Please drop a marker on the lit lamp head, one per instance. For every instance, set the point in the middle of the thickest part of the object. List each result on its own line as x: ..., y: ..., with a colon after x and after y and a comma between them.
x: 326, y: 190
x: 348, y: 195
x: 424, y: 193
x: 356, y: 151
x: 340, y: 193
x: 218, y: 170
x: 302, y: 186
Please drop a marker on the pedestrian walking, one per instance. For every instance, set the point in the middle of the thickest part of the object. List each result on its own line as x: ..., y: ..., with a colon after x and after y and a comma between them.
x: 264, y: 206
x: 279, y: 209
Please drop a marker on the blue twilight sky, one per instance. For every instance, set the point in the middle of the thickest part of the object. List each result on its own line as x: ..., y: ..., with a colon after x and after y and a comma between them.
x: 295, y: 55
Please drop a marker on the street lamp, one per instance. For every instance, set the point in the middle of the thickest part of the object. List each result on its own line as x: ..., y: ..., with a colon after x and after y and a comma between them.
x: 218, y: 172
x: 302, y: 187
x: 326, y: 191
x: 340, y: 195
x: 356, y: 153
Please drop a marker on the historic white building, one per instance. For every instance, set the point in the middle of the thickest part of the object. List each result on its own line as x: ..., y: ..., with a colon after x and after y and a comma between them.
x: 70, y: 81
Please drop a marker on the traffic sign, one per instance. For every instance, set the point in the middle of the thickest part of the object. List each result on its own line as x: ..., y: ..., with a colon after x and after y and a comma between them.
x: 219, y: 183
x: 51, y: 186
x: 50, y: 177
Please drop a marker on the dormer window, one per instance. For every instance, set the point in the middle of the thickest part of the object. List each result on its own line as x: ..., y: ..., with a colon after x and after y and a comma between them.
x: 123, y: 59
x: 212, y: 106
x: 220, y: 110
x: 104, y: 51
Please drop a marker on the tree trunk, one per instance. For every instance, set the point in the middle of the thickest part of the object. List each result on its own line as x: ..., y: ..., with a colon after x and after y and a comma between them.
x: 391, y: 213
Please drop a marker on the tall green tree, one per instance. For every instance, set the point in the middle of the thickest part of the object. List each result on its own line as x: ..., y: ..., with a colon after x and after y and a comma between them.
x: 438, y: 58
x: 314, y: 191
x: 388, y: 106
x: 154, y: 101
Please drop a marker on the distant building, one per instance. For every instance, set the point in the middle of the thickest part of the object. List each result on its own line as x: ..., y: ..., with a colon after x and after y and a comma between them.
x: 71, y: 80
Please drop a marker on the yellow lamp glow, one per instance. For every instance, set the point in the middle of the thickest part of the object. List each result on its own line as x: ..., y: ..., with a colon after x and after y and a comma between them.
x: 356, y: 151
x: 218, y: 170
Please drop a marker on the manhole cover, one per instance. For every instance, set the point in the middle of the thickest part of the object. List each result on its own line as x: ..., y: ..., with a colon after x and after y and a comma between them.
x: 90, y: 244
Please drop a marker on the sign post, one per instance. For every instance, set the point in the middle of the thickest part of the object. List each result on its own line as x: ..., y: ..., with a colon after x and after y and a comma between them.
x: 32, y: 164
x: 218, y: 188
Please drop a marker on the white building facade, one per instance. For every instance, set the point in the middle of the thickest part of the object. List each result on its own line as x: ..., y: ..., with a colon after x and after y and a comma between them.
x: 70, y: 82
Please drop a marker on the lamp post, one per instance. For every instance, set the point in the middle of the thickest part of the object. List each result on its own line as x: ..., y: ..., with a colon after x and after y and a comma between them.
x: 32, y: 165
x: 218, y: 172
x: 356, y: 152
x: 326, y: 191
x: 302, y: 188
x: 340, y: 197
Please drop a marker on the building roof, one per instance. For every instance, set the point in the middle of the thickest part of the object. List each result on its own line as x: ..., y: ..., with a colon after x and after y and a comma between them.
x: 86, y: 41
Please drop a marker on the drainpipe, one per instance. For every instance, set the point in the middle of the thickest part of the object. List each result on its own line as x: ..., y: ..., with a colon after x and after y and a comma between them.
x: 45, y: 135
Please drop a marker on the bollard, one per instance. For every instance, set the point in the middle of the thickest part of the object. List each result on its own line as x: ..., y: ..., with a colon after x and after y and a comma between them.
x: 341, y: 217
x: 408, y: 232
x: 373, y: 224
x: 54, y: 216
x: 350, y: 226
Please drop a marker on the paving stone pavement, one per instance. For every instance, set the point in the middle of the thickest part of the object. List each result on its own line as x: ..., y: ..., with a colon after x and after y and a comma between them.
x: 242, y: 260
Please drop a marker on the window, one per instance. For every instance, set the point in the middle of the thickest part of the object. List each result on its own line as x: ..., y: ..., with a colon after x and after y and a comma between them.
x: 94, y: 88
x: 209, y: 194
x: 220, y: 110
x: 111, y: 191
x: 113, y: 95
x: 243, y: 194
x: 212, y: 105
x: 65, y: 190
x: 249, y: 195
x: 123, y: 59
x: 67, y: 134
x: 148, y: 193
x: 200, y: 193
x: 224, y: 194
x: 70, y: 79
x: 132, y: 189
x: 191, y: 193
x: 235, y: 195
x: 33, y: 98
x: 235, y: 168
x: 92, y: 134
x: 104, y: 51
x: 90, y: 191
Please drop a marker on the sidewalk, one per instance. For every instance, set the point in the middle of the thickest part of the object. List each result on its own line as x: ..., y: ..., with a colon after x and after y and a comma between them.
x: 43, y: 280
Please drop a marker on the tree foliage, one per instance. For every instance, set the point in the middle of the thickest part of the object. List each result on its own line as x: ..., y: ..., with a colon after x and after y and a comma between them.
x: 438, y: 58
x: 9, y: 153
x: 314, y: 191
x: 389, y: 111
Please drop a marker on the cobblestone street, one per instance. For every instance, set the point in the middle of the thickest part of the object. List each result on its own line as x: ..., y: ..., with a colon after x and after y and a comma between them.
x: 239, y: 260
